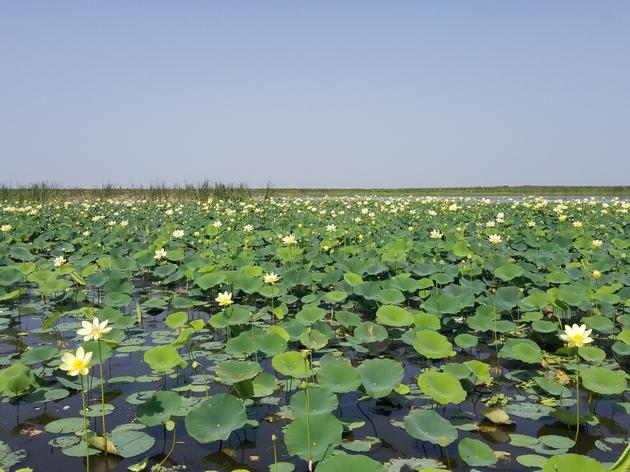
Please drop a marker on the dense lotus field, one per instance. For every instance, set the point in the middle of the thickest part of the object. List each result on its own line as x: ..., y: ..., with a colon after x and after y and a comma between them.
x: 341, y: 334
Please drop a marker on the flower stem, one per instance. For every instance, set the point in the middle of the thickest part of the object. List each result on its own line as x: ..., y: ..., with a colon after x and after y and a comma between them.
x: 308, y: 411
x: 159, y: 466
x: 448, y: 459
x: 275, y: 457
x: 100, y: 366
x: 85, y: 427
x: 577, y: 397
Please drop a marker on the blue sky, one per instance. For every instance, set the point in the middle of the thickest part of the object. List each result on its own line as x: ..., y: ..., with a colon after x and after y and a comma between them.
x: 315, y: 94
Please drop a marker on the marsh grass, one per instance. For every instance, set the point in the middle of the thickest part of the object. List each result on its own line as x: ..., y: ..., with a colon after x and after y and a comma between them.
x: 42, y: 192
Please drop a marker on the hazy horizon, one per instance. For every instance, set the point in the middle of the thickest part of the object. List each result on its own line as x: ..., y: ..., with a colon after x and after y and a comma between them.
x: 356, y: 94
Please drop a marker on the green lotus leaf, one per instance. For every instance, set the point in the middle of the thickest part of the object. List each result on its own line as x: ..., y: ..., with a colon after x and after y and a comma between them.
x: 572, y: 463
x: 216, y: 418
x: 320, y: 399
x: 509, y: 271
x: 128, y: 443
x: 38, y: 354
x: 391, y: 315
x: 9, y: 458
x: 313, y: 339
x: 592, y: 353
x: 441, y: 387
x: 380, y: 376
x: 444, y: 304
x: 209, y: 280
x: 338, y: 376
x: 117, y: 299
x: 231, y: 372
x: 350, y: 463
x: 159, y: 408
x: 16, y: 379
x: 290, y: 364
x: 544, y: 326
x: 324, y: 431
x: 310, y: 314
x: 432, y: 344
x: 428, y: 425
x: 9, y: 275
x: 270, y: 343
x: 368, y: 332
x: 604, y: 381
x: 524, y: 350
x: 347, y: 318
x: 65, y: 425
x: 235, y: 315
x: 480, y: 370
x: 476, y: 453
x: 390, y: 296
x: 352, y: 279
x: 466, y: 341
x: 176, y: 320
x: 424, y: 320
x: 264, y: 384
x: 336, y: 296
x: 162, y: 358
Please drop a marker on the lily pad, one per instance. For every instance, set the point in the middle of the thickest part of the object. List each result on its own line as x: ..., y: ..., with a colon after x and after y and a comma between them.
x: 441, y: 387
x: 216, y: 418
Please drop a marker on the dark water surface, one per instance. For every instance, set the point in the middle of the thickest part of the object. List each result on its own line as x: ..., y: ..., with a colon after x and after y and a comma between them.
x: 22, y: 423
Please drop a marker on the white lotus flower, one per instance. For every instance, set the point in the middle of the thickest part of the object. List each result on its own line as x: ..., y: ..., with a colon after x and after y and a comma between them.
x: 576, y: 336
x: 94, y: 330
x: 224, y: 299
x: 435, y: 234
x: 59, y: 261
x: 494, y: 239
x: 159, y: 254
x: 289, y: 239
x: 271, y: 278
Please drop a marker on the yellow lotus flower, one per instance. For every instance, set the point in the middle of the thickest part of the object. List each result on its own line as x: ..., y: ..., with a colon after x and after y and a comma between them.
x: 94, y: 330
x: 576, y: 336
x: 289, y: 239
x: 59, y: 261
x: 224, y: 299
x: 435, y: 234
x: 597, y: 243
x: 271, y: 278
x: 76, y: 364
x: 596, y: 274
x: 159, y: 254
x: 494, y: 239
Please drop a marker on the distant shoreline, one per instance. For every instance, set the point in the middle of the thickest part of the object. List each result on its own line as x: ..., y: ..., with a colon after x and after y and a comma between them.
x: 43, y: 192
x: 569, y: 191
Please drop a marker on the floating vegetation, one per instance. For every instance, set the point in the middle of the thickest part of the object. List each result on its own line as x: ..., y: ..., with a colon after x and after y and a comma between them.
x: 353, y: 333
